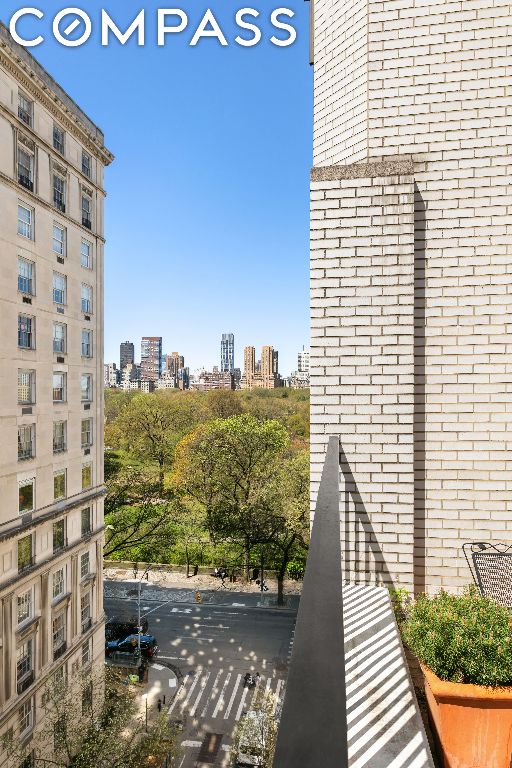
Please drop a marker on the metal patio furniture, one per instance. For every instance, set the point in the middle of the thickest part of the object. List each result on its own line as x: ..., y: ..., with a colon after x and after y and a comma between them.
x: 491, y: 568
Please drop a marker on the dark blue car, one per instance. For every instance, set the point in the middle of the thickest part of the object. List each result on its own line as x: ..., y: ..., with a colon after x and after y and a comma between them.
x: 148, y: 646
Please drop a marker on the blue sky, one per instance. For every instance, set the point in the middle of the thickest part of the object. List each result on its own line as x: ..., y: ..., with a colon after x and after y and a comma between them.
x: 207, y: 208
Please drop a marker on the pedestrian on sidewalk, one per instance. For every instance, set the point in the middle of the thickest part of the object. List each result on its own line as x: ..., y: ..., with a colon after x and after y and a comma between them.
x: 159, y: 705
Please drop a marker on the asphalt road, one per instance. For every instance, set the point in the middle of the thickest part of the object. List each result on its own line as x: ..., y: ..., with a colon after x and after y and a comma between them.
x: 212, y: 647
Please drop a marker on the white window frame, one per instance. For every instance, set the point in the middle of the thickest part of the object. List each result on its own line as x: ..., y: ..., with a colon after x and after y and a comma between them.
x: 86, y: 296
x: 27, y: 266
x: 29, y: 335
x: 62, y: 339
x: 24, y: 431
x: 85, y: 608
x: 63, y: 386
x: 22, y: 484
x: 59, y: 189
x: 25, y: 606
x: 87, y: 432
x: 87, y: 390
x: 25, y: 106
x: 87, y: 466
x: 58, y: 631
x: 86, y: 255
x: 62, y: 425
x: 58, y: 583
x: 26, y: 717
x: 85, y: 564
x: 24, y: 656
x: 30, y: 386
x: 86, y: 653
x: 87, y: 346
x: 26, y: 228
x: 56, y: 144
x: 60, y: 289
x: 59, y: 243
x: 60, y: 473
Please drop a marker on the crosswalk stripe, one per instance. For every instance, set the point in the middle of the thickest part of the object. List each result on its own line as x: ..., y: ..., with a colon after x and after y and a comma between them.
x: 180, y: 695
x: 241, y: 705
x: 194, y: 683
x: 201, y: 691
x: 220, y: 702
x: 212, y: 694
x: 235, y: 689
x: 267, y: 687
x: 279, y: 685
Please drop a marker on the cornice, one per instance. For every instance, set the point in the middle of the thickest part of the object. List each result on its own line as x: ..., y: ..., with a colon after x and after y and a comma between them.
x: 397, y: 166
x: 34, y: 85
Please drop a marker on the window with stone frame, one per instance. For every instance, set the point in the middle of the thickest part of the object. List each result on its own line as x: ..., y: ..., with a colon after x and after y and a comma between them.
x: 59, y: 387
x: 59, y: 240
x: 58, y: 583
x: 59, y: 535
x: 26, y: 442
x: 26, y: 276
x: 59, y: 436
x: 25, y: 109
x: 86, y: 433
x: 85, y: 521
x: 85, y: 611
x: 85, y: 565
x: 24, y: 661
x: 59, y: 484
x: 58, y: 632
x: 26, y: 495
x: 86, y: 476
x: 26, y: 335
x: 86, y: 343
x: 26, y: 717
x: 26, y: 387
x: 86, y: 387
x: 24, y: 606
x: 25, y: 221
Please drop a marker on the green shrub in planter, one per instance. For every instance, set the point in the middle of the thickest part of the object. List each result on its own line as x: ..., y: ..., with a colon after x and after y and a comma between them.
x: 462, y: 638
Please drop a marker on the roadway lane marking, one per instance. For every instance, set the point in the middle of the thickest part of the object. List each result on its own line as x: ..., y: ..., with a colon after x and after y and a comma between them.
x: 181, y: 610
x: 267, y: 687
x: 228, y: 710
x: 213, y: 692
x: 241, y: 705
x: 204, y: 681
x: 238, y: 605
x: 189, y: 743
x: 220, y: 702
x: 194, y: 683
x: 173, y: 682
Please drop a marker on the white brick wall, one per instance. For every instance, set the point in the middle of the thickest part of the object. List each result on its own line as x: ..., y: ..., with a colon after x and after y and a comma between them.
x: 436, y: 92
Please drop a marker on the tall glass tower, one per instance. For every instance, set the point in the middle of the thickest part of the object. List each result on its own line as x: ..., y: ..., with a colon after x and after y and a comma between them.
x: 227, y: 352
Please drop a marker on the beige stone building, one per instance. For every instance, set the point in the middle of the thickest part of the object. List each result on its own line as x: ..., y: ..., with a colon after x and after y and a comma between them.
x: 51, y: 388
x: 263, y: 374
x: 411, y: 359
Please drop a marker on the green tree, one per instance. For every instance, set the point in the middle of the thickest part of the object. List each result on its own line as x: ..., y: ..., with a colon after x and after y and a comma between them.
x: 138, y: 515
x: 256, y: 732
x: 231, y: 467
x: 90, y: 721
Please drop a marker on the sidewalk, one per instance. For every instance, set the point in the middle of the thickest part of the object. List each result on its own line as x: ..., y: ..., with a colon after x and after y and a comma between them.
x: 176, y: 588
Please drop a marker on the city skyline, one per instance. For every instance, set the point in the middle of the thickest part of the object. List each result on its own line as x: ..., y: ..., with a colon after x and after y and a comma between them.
x: 221, y: 235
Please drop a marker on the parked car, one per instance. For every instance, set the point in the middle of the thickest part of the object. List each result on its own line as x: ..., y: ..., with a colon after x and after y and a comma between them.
x: 117, y: 629
x: 128, y: 646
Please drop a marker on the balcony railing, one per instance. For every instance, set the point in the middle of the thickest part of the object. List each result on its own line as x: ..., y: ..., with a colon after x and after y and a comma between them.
x: 25, y: 683
x: 86, y: 625
x: 26, y: 181
x: 58, y: 652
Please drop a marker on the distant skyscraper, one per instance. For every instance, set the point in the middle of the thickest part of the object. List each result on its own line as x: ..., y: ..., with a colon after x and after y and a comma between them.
x: 227, y: 352
x: 263, y: 374
x: 249, y: 363
x: 126, y: 354
x: 174, y: 362
x: 303, y: 361
x: 151, y: 357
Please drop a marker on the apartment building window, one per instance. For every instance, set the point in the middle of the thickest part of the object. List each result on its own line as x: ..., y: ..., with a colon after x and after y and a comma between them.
x: 59, y: 193
x: 86, y: 526
x: 59, y: 240
x: 26, y: 442
x: 59, y: 535
x: 26, y: 495
x: 26, y: 335
x: 86, y: 164
x: 59, y: 387
x: 25, y: 109
x: 25, y: 554
x: 86, y: 211
x: 86, y: 433
x: 58, y: 139
x: 86, y: 477
x: 59, y: 288
x: 59, y: 436
x: 59, y: 484
x: 24, y: 606
x: 86, y: 387
x: 59, y: 677
x: 86, y: 343
x: 24, y: 666
x: 58, y: 583
x: 85, y: 611
x: 25, y: 168
x: 59, y: 635
x: 25, y: 222
x: 59, y: 338
x: 86, y: 299
x: 26, y: 387
x: 86, y: 254
x: 26, y: 273
x: 86, y: 653
x: 26, y: 717
x: 84, y: 565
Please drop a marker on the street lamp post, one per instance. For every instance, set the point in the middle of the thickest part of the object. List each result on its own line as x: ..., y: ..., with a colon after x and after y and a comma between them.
x: 145, y: 697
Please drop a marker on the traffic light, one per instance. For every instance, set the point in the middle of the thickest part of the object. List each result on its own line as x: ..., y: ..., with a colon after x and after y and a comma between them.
x: 198, y: 597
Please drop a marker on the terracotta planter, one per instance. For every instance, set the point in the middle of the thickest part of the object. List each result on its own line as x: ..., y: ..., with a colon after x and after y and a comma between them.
x: 473, y: 723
